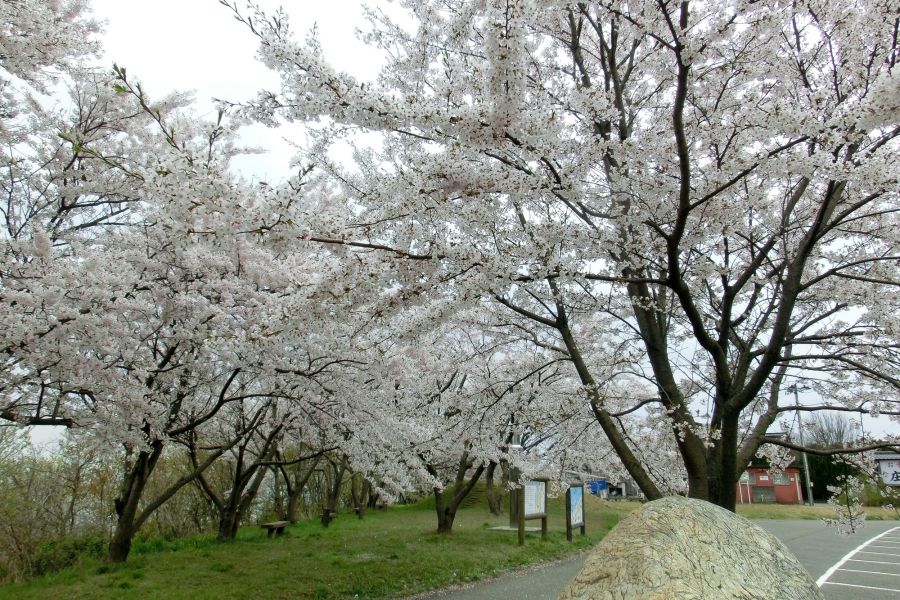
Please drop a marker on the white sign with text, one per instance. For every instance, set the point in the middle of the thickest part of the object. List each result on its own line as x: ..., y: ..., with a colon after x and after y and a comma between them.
x: 535, y: 498
x: 890, y: 471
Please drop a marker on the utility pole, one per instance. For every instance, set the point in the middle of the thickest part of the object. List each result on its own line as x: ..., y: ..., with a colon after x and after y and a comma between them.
x: 862, y: 429
x: 794, y: 388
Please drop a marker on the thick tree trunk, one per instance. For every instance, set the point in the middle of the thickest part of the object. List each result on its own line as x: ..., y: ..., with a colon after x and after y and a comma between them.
x: 334, y: 492
x: 723, y: 471
x: 699, y: 484
x: 446, y: 510
x: 242, y: 495
x: 445, y: 514
x: 295, y: 483
x: 126, y: 504
x: 228, y: 526
x: 120, y: 544
x: 494, y: 500
x: 359, y: 493
x: 445, y: 521
x: 293, y: 509
x: 278, y: 498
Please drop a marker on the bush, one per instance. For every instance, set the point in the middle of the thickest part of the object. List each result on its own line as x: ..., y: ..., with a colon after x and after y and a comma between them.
x: 60, y: 554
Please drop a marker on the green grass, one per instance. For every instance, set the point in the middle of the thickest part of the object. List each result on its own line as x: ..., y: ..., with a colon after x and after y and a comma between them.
x: 391, y: 553
x: 801, y: 511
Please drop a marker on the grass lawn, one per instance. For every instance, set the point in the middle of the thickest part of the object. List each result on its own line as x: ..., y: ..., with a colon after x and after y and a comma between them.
x: 390, y: 554
x: 801, y: 511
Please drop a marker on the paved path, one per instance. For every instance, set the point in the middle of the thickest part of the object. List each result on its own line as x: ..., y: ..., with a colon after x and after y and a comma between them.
x: 862, y: 566
x: 534, y: 584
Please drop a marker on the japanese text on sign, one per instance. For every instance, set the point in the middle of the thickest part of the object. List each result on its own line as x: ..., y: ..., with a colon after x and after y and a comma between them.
x: 535, y: 498
x: 890, y: 471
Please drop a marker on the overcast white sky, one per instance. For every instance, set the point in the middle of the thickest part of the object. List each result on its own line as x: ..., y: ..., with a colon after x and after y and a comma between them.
x: 198, y: 45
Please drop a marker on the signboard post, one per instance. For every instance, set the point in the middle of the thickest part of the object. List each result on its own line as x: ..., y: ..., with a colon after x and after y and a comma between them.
x: 574, y: 510
x: 514, y: 494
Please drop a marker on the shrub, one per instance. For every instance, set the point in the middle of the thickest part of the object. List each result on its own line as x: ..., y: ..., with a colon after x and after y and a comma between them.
x: 59, y: 554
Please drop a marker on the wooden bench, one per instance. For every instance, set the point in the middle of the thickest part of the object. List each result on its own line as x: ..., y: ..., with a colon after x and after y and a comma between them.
x: 275, y: 527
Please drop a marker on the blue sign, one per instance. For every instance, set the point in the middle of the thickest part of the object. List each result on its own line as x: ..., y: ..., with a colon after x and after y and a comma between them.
x: 596, y: 486
x: 576, y: 505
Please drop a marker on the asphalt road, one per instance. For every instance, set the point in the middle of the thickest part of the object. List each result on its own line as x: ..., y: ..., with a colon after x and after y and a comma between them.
x: 861, y: 566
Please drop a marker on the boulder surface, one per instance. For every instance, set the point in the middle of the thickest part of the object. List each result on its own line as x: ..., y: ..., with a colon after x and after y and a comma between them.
x: 683, y: 549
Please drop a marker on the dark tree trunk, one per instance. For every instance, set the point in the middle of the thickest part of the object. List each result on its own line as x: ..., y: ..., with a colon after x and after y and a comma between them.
x: 445, y: 514
x: 446, y: 509
x: 129, y: 521
x: 334, y: 492
x: 723, y: 468
x: 120, y: 544
x: 126, y: 504
x: 609, y: 425
x: 279, y: 497
x: 359, y: 493
x: 293, y: 509
x: 228, y: 526
x: 295, y: 482
x: 245, y: 487
x: 494, y: 500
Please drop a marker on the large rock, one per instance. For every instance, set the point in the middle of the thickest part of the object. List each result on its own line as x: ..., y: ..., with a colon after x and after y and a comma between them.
x: 683, y: 549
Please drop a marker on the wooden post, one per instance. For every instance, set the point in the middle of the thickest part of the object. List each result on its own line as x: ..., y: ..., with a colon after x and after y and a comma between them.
x: 520, y: 502
x: 544, y: 518
x: 514, y: 475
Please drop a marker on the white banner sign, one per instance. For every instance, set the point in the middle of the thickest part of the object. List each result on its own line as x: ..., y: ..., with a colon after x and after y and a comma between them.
x: 890, y: 471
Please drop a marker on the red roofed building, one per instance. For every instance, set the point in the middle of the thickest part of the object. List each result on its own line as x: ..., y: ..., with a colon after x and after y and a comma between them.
x: 759, y: 485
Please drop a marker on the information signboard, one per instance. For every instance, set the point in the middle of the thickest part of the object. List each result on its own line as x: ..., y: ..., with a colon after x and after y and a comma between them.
x: 890, y: 471
x: 531, y: 500
x: 535, y: 499
x: 574, y: 510
x: 576, y: 506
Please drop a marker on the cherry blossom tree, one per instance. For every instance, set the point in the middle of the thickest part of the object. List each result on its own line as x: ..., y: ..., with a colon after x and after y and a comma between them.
x: 39, y: 41
x: 140, y: 300
x: 693, y: 201
x: 149, y: 290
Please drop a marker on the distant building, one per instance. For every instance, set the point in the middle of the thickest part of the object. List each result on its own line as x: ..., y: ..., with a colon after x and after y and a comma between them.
x: 759, y: 485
